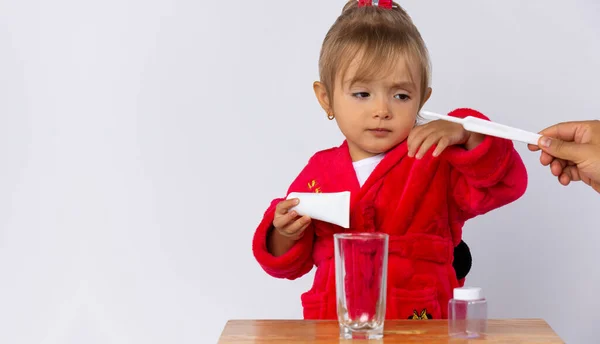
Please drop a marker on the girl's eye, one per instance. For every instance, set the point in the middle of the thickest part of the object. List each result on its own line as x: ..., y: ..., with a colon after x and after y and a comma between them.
x: 360, y: 94
x: 402, y: 96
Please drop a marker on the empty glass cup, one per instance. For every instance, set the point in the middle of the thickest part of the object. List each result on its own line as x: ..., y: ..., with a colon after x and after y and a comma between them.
x: 361, y: 276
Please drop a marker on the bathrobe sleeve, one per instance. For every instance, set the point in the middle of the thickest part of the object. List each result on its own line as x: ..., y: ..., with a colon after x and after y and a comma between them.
x: 298, y: 260
x: 485, y: 178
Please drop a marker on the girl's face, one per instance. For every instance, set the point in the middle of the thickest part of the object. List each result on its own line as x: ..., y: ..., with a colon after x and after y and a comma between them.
x: 375, y: 115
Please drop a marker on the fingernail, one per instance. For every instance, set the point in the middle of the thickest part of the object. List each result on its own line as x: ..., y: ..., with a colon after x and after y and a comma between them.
x: 296, y: 201
x: 545, y: 141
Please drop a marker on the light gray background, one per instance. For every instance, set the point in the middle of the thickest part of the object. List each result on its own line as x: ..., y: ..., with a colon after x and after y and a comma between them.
x: 140, y: 142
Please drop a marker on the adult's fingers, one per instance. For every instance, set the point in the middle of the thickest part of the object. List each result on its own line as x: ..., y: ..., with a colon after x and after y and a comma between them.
x: 546, y: 159
x: 564, y: 150
x: 557, y: 167
x: 565, y: 131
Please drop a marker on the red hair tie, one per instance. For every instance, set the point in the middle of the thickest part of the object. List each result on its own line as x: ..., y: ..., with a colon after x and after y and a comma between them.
x: 387, y: 4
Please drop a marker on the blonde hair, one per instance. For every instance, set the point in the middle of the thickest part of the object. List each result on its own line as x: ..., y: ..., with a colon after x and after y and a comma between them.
x: 379, y: 36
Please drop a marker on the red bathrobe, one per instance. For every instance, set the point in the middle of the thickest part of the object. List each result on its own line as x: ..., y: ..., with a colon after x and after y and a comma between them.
x: 422, y: 205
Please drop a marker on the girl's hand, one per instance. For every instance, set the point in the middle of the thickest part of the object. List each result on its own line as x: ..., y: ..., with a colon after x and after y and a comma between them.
x: 288, y: 223
x: 440, y: 133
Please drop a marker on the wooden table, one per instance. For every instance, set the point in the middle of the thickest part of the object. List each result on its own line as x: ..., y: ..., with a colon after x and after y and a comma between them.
x: 400, y: 331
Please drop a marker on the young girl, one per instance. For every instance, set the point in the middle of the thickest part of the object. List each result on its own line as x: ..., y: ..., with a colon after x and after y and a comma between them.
x: 419, y: 184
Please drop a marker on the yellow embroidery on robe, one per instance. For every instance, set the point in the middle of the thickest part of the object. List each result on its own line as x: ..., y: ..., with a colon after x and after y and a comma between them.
x: 422, y: 316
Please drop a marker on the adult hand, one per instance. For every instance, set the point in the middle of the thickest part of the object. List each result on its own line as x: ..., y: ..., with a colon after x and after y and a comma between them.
x: 572, y: 149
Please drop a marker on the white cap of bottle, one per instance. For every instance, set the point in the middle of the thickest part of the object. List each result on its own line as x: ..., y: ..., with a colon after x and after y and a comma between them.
x: 468, y: 294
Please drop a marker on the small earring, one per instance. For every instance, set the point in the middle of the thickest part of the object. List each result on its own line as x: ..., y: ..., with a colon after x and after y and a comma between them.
x: 330, y: 116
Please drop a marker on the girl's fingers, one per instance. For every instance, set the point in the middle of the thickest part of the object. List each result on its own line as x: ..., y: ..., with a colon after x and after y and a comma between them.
x: 442, y: 144
x: 429, y: 141
x: 296, y: 228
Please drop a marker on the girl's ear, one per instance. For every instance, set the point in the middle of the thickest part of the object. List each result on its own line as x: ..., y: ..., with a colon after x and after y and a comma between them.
x: 426, y: 96
x: 322, y: 96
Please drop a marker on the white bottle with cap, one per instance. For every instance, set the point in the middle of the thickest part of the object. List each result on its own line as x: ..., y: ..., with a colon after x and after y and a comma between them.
x: 467, y: 313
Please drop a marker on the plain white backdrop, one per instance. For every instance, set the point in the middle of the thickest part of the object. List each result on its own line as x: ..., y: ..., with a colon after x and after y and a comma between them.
x: 141, y: 141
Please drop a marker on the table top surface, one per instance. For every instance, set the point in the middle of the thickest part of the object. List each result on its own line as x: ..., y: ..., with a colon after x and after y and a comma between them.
x: 396, y: 331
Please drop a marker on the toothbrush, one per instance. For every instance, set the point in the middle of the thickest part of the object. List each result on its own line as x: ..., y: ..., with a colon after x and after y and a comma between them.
x: 478, y: 125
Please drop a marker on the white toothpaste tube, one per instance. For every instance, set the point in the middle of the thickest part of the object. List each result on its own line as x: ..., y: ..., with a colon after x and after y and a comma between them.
x: 328, y: 207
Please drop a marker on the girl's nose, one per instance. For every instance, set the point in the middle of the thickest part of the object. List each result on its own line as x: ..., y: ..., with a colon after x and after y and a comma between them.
x: 382, y: 110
